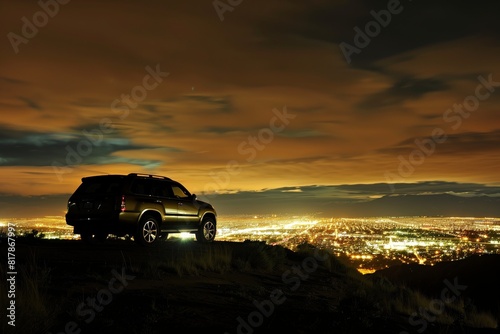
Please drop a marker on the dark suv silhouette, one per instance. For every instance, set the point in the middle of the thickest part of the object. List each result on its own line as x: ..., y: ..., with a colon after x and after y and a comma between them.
x: 145, y: 207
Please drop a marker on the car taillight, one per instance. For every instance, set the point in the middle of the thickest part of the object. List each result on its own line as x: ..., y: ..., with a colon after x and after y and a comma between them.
x: 122, y: 206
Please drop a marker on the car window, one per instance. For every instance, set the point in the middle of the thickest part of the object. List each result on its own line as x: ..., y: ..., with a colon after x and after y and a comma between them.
x: 161, y: 189
x: 99, y: 186
x: 145, y: 187
x: 151, y: 188
x: 179, y: 191
x: 140, y: 187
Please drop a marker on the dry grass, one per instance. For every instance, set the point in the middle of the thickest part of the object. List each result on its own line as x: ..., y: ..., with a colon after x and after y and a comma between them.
x: 184, y: 261
x: 363, y: 302
x: 419, y: 306
x: 216, y: 257
x: 481, y: 320
x: 34, y: 309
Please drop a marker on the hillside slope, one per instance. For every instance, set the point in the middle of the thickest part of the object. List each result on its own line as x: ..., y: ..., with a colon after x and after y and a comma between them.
x: 179, y: 287
x: 477, y: 279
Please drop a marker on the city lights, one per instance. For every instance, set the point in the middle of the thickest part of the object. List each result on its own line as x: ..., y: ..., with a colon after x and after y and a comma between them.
x: 368, y: 243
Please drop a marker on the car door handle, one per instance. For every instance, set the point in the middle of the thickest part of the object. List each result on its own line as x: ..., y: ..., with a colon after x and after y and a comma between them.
x: 180, y: 203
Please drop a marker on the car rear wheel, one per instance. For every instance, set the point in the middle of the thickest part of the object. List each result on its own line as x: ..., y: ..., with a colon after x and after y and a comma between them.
x: 86, y: 237
x: 148, y: 231
x: 101, y: 237
x: 207, y: 230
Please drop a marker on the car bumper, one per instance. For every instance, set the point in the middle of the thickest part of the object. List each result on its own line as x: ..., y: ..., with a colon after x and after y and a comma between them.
x: 118, y: 224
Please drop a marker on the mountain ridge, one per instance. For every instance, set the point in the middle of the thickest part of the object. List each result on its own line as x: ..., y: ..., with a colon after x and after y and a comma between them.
x: 423, y: 205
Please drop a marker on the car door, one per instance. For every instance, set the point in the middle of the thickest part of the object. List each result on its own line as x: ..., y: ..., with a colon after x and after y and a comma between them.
x: 187, y: 210
x: 161, y: 191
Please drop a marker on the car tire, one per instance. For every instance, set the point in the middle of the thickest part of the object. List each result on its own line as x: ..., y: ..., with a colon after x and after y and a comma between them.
x: 207, y: 230
x: 101, y: 237
x: 148, y: 231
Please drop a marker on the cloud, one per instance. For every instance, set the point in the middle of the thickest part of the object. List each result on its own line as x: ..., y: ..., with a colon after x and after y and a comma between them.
x: 20, y: 148
x: 30, y: 103
x: 12, y: 81
x: 222, y: 130
x: 419, y: 188
x: 467, y: 143
x: 208, y: 103
x: 353, y: 193
x: 226, y: 78
x: 421, y: 24
x: 328, y: 198
x: 401, y: 90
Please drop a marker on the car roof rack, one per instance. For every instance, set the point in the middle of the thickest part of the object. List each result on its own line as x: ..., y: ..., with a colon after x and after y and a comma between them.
x: 150, y: 176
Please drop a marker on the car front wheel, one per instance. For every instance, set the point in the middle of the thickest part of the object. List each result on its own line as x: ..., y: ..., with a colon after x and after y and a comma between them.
x: 148, y: 231
x: 207, y: 230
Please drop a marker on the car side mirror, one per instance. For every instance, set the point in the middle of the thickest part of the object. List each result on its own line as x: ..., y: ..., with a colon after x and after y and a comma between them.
x: 193, y: 196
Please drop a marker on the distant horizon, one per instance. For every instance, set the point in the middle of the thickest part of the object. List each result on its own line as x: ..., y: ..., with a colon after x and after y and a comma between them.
x: 432, y: 198
x: 5, y: 220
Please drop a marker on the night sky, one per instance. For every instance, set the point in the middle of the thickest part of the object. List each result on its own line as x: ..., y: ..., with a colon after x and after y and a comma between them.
x: 246, y: 99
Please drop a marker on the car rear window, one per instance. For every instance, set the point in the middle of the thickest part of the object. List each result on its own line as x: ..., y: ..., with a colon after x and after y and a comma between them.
x: 100, y: 186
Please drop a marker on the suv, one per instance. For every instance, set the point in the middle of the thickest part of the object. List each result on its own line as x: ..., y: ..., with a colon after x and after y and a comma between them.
x: 145, y: 207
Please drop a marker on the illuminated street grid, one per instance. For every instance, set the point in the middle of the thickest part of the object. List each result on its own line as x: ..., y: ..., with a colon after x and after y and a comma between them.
x: 375, y: 243
x: 369, y: 243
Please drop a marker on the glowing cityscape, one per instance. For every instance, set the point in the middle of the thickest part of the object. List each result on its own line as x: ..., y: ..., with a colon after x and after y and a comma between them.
x: 368, y: 243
